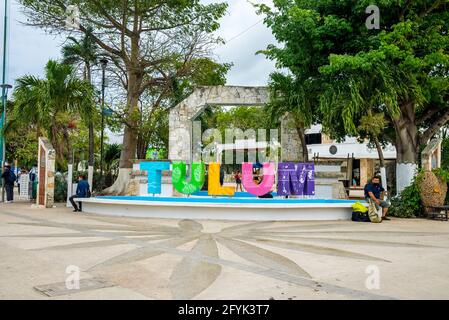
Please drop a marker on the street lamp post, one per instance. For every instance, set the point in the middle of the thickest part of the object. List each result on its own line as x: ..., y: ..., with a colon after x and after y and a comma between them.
x: 5, y: 88
x: 104, y: 63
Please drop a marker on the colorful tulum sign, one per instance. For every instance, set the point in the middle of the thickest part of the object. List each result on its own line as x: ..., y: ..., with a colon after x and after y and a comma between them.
x: 295, y: 179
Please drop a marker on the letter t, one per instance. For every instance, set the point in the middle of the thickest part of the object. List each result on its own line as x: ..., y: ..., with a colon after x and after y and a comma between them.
x: 155, y: 175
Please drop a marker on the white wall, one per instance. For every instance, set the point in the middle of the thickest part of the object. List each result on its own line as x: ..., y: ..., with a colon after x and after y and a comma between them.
x: 349, y: 146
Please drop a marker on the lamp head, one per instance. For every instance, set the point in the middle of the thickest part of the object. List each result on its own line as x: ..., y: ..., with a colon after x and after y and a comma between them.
x: 104, y: 63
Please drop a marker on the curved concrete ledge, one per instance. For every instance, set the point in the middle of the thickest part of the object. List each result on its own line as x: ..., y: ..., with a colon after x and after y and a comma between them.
x: 236, y: 209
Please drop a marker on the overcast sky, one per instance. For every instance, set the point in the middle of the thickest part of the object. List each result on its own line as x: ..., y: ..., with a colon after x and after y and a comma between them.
x: 31, y: 48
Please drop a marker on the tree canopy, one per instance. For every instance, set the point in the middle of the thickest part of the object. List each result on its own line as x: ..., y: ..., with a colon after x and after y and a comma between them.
x: 151, y: 43
x: 52, y: 105
x: 346, y: 69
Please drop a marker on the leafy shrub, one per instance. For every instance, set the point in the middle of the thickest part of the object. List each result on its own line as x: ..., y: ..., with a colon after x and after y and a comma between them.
x: 445, y: 152
x: 408, y: 203
x: 60, y: 188
x: 443, y: 174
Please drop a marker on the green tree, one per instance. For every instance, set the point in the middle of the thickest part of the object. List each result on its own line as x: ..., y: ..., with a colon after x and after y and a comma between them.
x: 111, y: 162
x: 244, y: 118
x: 84, y: 54
x: 445, y: 149
x: 296, y: 89
x: 21, y: 142
x: 52, y: 105
x: 371, y: 128
x: 400, y: 70
x: 153, y: 122
x: 243, y: 122
x: 240, y: 117
x: 288, y: 98
x: 145, y: 38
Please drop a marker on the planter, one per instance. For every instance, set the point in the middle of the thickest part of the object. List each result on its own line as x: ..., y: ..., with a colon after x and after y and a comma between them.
x: 433, y: 190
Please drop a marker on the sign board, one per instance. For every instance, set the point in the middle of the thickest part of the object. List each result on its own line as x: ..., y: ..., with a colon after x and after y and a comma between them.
x: 24, y: 182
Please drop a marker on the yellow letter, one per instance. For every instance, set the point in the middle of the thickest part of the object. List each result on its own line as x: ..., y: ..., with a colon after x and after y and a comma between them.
x: 215, y: 189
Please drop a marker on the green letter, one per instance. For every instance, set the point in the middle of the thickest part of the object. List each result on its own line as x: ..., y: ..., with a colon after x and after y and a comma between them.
x: 196, y: 181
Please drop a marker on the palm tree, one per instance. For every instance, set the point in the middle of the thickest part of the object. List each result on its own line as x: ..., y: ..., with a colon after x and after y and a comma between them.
x: 288, y: 97
x: 111, y: 162
x: 51, y: 104
x: 83, y: 54
x: 27, y: 95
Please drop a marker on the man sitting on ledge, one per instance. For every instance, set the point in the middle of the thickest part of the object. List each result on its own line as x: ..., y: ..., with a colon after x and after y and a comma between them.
x: 82, y: 191
x: 376, y: 193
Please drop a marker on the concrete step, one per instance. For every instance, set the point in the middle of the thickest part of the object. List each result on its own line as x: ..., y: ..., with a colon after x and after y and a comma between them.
x: 327, y: 168
x: 331, y: 162
x: 330, y: 175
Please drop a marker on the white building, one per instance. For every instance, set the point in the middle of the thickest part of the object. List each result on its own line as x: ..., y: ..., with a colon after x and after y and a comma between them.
x: 359, y: 160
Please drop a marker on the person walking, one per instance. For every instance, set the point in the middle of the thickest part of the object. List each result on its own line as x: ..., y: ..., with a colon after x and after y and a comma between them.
x: 9, y: 178
x: 222, y: 175
x: 238, y: 181
x: 82, y: 191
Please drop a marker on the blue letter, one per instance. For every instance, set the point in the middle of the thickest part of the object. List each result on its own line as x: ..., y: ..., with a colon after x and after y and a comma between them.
x: 154, y: 175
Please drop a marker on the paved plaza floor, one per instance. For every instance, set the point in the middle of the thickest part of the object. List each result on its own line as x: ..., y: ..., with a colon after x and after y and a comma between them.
x: 42, y: 251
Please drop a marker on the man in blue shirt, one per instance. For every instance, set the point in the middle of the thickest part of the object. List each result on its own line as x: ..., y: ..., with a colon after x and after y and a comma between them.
x: 82, y: 191
x: 376, y: 193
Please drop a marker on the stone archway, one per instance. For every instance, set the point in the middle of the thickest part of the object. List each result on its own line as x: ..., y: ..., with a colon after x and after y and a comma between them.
x: 46, y: 173
x: 182, y: 116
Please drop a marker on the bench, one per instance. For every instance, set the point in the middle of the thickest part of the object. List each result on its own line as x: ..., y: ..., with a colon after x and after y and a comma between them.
x: 438, y: 213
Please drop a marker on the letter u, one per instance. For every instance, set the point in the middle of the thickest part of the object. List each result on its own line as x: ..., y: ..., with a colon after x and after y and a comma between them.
x: 267, y: 183
x: 196, y: 181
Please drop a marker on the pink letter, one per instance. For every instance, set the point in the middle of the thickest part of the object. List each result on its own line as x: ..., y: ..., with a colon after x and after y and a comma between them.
x: 267, y: 183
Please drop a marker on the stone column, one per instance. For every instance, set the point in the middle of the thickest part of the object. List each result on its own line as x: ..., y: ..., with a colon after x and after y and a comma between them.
x: 180, y: 134
x: 363, y: 172
x: 291, y: 149
x: 46, y: 165
x: 366, y: 171
x: 431, y: 155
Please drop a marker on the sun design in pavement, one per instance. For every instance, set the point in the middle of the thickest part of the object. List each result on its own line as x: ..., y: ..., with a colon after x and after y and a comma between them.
x: 202, y: 265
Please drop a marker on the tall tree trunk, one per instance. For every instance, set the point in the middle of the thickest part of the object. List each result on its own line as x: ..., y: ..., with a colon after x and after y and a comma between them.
x: 407, y: 146
x: 59, y: 147
x: 129, y: 146
x: 302, y: 137
x: 135, y: 79
x: 130, y: 136
x: 380, y: 152
x: 38, y: 132
x: 383, y: 169
x: 141, y: 147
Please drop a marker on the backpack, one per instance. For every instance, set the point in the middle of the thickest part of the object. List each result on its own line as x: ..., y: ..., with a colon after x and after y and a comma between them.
x: 358, y: 207
x: 373, y: 213
x: 360, y: 213
x: 360, y: 217
x: 11, y: 178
